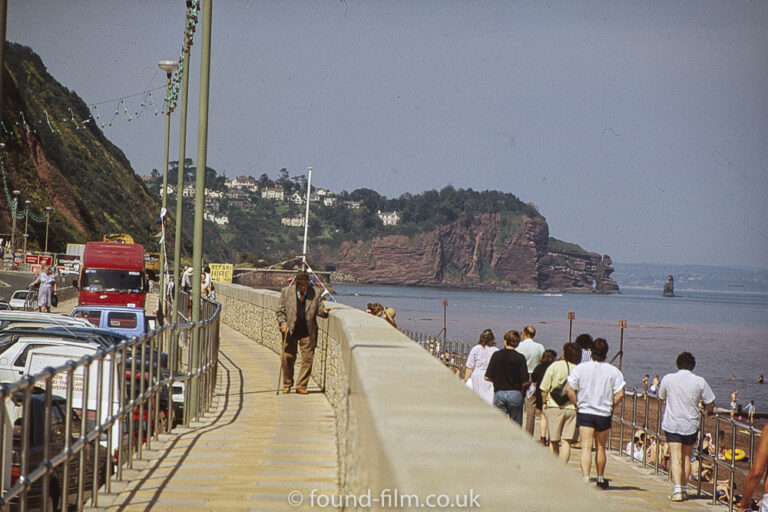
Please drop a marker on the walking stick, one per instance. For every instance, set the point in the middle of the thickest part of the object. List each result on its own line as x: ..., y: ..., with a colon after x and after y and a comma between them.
x: 282, y: 354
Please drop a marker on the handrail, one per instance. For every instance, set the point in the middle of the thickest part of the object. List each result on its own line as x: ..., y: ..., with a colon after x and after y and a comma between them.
x: 120, y: 415
x: 648, y: 422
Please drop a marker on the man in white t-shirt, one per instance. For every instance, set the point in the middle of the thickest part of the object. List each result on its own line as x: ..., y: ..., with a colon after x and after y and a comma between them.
x: 683, y: 391
x: 532, y: 352
x: 595, y: 388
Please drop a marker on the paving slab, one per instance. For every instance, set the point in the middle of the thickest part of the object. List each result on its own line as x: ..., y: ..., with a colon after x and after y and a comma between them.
x: 248, y: 453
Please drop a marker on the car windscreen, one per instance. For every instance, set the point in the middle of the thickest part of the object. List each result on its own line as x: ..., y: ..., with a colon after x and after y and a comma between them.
x: 20, y: 294
x: 110, y: 280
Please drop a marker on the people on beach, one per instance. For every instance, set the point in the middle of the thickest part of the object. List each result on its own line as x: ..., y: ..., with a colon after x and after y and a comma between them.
x: 683, y: 391
x: 750, y: 410
x: 734, y: 399
x: 509, y: 374
x: 297, y: 312
x: 47, y: 281
x: 645, y: 383
x: 636, y: 447
x: 532, y: 352
x: 547, y: 358
x: 757, y: 471
x: 560, y: 415
x: 662, y: 455
x: 585, y: 342
x: 477, y: 364
x: 595, y: 388
x: 654, y: 385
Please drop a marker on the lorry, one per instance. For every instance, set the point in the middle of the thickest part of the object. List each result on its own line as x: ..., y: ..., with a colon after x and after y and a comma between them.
x: 112, y: 274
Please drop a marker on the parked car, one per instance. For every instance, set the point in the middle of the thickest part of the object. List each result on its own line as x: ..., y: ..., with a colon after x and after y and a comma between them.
x: 20, y: 300
x: 36, y: 436
x: 4, y: 306
x: 125, y: 320
x: 14, y: 351
x: 12, y: 319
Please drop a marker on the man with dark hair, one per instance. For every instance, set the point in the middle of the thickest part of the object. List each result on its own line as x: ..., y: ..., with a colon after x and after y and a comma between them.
x: 595, y: 388
x: 297, y: 313
x: 532, y: 352
x: 683, y: 391
x: 509, y: 374
x: 585, y: 342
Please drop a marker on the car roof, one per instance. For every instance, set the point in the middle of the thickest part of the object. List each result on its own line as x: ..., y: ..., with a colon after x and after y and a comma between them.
x: 103, y: 337
x: 108, y: 308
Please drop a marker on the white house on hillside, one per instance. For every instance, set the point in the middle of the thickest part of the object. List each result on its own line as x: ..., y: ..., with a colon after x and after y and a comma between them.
x: 292, y: 221
x: 219, y: 220
x: 329, y: 201
x: 243, y: 183
x: 273, y: 193
x: 388, y: 218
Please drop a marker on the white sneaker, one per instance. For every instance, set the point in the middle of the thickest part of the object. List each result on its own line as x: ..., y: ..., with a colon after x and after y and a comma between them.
x: 677, y: 496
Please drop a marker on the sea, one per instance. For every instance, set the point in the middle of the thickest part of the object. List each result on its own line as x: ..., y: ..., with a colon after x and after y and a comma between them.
x: 727, y: 332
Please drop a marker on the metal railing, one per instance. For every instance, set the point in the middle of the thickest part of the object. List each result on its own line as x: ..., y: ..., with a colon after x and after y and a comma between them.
x: 641, y: 415
x: 452, y: 353
x: 717, y: 472
x: 113, y: 404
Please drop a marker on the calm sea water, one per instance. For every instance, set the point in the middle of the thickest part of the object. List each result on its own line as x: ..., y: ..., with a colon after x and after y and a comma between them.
x: 726, y: 332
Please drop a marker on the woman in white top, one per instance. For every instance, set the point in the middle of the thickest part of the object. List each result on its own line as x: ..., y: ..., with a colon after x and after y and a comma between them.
x: 477, y: 363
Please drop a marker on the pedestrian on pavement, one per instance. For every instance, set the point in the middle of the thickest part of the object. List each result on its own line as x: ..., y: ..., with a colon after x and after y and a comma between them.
x: 547, y: 358
x: 297, y: 313
x: 757, y: 471
x: 683, y: 391
x: 477, y: 364
x: 585, y: 342
x: 509, y: 374
x: 560, y: 417
x: 595, y: 388
x: 532, y: 351
x: 47, y: 281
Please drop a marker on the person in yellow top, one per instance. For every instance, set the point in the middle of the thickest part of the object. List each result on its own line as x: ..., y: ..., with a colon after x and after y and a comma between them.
x: 561, y: 417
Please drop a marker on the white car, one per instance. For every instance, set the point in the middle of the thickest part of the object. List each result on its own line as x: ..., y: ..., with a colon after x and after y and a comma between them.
x: 19, y: 300
x: 11, y: 319
x: 13, y: 354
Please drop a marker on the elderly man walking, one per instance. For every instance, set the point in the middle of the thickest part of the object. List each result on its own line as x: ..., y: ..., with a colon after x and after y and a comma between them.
x: 532, y: 351
x: 297, y: 313
x: 683, y: 391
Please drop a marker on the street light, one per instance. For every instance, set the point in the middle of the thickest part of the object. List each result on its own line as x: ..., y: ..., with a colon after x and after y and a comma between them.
x: 169, y: 66
x: 47, y: 221
x: 26, y: 226
x: 15, y: 207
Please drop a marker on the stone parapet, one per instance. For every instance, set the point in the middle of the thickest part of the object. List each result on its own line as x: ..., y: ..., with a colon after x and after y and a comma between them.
x: 407, y: 429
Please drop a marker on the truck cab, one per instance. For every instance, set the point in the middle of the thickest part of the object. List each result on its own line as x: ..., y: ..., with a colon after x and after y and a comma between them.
x: 112, y: 274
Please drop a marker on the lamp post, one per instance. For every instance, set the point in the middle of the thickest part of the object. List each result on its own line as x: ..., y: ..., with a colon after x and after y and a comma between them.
x: 14, y: 209
x: 26, y: 226
x: 169, y: 66
x: 47, y: 221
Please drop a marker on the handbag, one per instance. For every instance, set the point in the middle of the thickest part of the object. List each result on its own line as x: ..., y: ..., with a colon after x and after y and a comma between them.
x: 559, y: 394
x: 54, y: 300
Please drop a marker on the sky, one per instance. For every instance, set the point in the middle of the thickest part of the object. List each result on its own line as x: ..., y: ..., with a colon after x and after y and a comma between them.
x: 638, y: 129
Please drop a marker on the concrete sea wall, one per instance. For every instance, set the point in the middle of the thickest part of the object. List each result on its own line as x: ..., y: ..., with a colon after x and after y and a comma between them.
x: 407, y: 429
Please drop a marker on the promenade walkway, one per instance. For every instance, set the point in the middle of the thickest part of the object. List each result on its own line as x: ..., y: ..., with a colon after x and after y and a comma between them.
x: 247, y: 454
x: 635, y: 489
x: 253, y: 449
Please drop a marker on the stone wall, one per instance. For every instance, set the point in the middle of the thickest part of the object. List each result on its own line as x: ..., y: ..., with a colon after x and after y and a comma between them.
x: 405, y: 424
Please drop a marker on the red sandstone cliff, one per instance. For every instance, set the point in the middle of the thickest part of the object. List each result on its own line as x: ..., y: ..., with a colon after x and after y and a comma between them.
x: 487, y: 251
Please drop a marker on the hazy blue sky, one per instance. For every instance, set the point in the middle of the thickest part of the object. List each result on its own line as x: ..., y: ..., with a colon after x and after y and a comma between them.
x: 639, y: 129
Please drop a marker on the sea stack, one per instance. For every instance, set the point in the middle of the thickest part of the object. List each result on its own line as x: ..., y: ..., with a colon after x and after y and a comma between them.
x: 669, y: 287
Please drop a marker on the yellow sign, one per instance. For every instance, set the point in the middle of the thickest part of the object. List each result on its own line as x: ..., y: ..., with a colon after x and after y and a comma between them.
x: 221, y: 272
